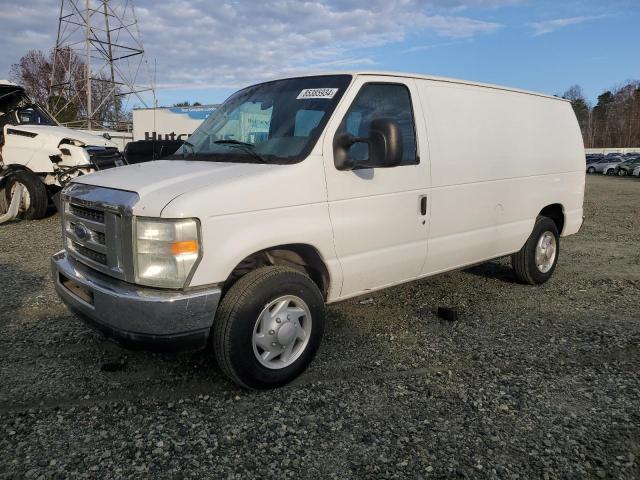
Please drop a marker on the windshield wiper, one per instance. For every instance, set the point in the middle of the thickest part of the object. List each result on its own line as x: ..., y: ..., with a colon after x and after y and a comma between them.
x: 231, y: 141
x: 247, y: 147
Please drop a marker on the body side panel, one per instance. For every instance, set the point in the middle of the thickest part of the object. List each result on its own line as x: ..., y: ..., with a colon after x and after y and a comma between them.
x: 498, y: 158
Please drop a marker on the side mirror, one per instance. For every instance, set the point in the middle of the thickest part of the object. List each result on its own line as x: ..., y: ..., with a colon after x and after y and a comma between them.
x: 106, y: 135
x: 385, y: 146
x: 385, y: 143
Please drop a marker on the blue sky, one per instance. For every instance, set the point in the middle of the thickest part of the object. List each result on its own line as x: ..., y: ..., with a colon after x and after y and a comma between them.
x: 205, y: 50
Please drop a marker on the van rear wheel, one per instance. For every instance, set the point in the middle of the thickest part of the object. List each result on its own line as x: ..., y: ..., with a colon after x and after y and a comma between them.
x: 268, y: 327
x: 34, y: 198
x: 536, y: 261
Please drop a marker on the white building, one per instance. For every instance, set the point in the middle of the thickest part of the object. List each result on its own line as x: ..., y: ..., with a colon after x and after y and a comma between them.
x: 168, y: 123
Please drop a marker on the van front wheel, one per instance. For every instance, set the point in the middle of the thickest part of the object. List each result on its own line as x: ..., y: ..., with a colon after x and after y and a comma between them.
x: 536, y: 261
x: 268, y: 327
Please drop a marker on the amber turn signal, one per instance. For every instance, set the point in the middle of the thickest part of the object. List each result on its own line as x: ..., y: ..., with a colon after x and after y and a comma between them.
x: 188, y: 246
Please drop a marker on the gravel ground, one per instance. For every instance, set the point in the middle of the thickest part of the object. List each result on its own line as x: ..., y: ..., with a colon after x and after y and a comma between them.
x: 530, y: 382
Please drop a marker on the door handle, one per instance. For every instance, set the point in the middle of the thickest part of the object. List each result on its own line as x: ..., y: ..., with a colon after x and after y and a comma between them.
x: 423, y: 205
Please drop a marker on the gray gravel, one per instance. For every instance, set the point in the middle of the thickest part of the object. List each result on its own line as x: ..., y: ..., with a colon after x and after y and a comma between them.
x: 529, y: 383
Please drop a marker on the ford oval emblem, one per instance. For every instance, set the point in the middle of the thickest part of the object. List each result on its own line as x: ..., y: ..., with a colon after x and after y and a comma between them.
x: 81, y: 232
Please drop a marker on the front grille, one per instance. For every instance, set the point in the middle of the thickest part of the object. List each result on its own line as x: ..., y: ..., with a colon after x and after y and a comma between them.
x: 90, y: 254
x: 100, y: 238
x: 97, y: 227
x: 87, y: 213
x: 85, y: 227
x: 95, y: 235
x: 105, y: 157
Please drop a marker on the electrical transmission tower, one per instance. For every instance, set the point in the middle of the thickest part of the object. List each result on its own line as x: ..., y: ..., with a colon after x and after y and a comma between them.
x: 99, y: 66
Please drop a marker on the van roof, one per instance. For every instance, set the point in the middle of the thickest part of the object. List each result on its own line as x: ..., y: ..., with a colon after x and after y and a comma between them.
x: 434, y: 78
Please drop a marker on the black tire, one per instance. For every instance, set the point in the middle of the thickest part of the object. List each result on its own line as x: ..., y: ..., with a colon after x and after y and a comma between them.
x: 524, y: 261
x: 3, y: 200
x: 38, y: 198
x: 622, y: 172
x: 610, y: 172
x: 232, y: 332
x: 591, y: 170
x: 55, y: 198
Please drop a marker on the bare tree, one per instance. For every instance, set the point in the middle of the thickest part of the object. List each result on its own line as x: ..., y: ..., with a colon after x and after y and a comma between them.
x: 34, y: 71
x: 615, y: 119
x: 582, y: 110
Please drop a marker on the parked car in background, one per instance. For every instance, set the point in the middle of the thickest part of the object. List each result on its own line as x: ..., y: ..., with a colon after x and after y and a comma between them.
x: 626, y: 168
x: 594, y: 157
x: 148, y: 150
x: 607, y: 165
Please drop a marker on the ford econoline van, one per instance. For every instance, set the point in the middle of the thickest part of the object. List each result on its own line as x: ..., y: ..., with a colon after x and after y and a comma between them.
x: 305, y: 191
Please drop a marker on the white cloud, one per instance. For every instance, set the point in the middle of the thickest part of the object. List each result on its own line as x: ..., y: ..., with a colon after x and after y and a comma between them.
x: 242, y: 42
x: 433, y: 46
x: 548, y: 26
x: 199, y: 43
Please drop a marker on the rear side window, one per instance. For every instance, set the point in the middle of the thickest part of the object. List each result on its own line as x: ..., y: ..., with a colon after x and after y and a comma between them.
x: 381, y: 100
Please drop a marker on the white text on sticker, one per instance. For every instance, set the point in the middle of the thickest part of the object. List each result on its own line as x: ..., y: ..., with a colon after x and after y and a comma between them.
x: 317, y: 93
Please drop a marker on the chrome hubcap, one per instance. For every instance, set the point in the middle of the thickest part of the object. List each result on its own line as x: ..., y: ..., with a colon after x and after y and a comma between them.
x: 546, y: 252
x: 282, y: 332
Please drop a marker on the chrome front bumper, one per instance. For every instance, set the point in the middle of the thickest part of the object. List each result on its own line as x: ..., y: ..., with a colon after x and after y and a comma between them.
x: 134, y: 315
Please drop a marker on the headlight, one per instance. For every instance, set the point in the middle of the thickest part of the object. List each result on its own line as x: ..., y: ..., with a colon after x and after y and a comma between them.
x: 167, y: 250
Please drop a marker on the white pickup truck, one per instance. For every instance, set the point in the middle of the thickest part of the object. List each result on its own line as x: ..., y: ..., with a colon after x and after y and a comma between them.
x: 40, y: 155
x: 305, y: 191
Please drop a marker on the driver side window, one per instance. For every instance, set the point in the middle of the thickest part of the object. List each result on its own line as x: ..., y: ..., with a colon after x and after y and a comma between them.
x: 381, y: 100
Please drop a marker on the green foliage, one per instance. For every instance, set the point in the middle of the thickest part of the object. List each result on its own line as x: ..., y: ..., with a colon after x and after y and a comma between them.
x: 66, y: 114
x: 187, y: 104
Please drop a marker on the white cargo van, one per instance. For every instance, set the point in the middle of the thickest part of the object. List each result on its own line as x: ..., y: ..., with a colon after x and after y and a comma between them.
x: 305, y: 191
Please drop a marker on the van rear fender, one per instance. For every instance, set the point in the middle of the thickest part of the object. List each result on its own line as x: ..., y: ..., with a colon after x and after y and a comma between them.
x: 555, y: 212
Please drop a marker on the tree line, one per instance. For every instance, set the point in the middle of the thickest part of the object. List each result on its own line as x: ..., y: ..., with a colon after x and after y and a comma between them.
x: 614, y: 121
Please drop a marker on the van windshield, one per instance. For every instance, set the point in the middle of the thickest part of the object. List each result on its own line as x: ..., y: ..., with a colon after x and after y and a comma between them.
x: 273, y: 122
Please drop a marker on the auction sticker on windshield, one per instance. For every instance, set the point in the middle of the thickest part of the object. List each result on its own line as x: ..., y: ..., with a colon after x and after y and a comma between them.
x: 317, y: 93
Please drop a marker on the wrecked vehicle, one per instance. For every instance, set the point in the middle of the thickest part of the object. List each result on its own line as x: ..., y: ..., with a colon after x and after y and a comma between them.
x: 42, y: 156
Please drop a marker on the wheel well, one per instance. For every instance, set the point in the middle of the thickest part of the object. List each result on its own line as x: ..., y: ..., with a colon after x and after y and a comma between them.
x: 13, y: 167
x: 299, y: 256
x: 555, y: 213
x: 10, y: 169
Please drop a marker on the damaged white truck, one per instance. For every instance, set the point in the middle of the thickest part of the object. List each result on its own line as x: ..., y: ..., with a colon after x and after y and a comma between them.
x: 38, y: 157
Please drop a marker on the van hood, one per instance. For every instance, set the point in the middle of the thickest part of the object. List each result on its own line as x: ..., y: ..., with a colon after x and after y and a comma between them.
x: 56, y: 133
x: 158, y: 183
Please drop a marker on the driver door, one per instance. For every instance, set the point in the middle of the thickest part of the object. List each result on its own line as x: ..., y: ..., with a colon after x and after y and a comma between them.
x: 379, y: 215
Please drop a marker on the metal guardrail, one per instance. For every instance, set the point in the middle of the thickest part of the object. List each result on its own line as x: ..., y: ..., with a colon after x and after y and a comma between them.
x: 604, y: 151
